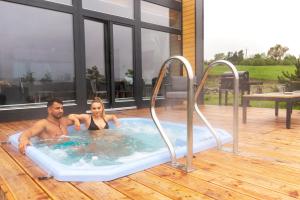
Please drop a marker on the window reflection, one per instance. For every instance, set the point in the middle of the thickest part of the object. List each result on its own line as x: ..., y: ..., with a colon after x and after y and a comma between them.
x: 95, y: 59
x: 160, y: 15
x: 123, y: 63
x: 67, y: 2
x: 156, y: 48
x: 36, y: 55
x: 122, y: 8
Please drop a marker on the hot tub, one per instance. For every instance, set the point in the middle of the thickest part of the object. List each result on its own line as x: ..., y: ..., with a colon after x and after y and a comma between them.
x: 116, y: 152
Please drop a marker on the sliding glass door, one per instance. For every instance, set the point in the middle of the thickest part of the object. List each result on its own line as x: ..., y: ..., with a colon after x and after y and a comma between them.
x: 109, y: 75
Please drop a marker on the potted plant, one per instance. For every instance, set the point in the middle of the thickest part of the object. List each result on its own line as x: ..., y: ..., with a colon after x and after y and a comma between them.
x: 291, y: 81
x: 92, y: 73
x: 47, y: 78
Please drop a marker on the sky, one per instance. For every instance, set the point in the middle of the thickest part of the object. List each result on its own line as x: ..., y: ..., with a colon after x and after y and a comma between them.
x: 251, y: 25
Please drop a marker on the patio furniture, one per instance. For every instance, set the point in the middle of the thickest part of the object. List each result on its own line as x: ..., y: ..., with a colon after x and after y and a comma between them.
x: 288, y: 97
x: 226, y: 84
x: 123, y: 89
x: 176, y: 90
x: 96, y: 90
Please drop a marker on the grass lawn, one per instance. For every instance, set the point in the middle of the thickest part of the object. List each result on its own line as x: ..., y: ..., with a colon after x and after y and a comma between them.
x: 213, y: 99
x: 268, y: 73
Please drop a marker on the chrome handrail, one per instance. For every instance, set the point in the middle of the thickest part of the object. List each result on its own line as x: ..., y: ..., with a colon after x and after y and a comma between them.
x: 190, y: 103
x: 235, y: 102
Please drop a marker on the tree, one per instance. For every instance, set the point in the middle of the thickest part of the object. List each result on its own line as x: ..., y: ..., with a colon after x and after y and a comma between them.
x: 277, y: 52
x: 219, y: 56
x: 289, y: 60
x: 290, y: 80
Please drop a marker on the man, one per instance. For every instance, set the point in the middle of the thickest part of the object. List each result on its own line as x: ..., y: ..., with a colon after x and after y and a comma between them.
x: 54, y: 126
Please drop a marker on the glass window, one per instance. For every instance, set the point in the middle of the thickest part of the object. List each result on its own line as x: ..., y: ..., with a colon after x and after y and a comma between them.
x: 160, y: 15
x: 122, y: 8
x: 95, y: 59
x: 67, y: 2
x: 123, y: 61
x: 156, y: 48
x: 36, y: 55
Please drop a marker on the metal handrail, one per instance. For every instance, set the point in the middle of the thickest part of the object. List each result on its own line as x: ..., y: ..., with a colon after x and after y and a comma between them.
x: 190, y: 103
x: 235, y: 102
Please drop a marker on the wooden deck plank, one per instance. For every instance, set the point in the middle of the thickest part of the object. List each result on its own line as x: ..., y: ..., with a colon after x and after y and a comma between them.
x: 240, y: 186
x: 267, y: 166
x: 264, y: 167
x: 198, y: 184
x: 17, y: 181
x: 166, y: 187
x: 99, y: 190
x: 53, y: 188
x: 135, y: 190
x: 5, y: 193
x: 286, y: 188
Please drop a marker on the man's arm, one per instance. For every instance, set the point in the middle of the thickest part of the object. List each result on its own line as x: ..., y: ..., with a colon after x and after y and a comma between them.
x: 35, y: 130
x: 76, y: 119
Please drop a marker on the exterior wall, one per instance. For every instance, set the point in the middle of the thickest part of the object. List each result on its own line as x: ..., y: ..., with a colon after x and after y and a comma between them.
x: 188, y: 31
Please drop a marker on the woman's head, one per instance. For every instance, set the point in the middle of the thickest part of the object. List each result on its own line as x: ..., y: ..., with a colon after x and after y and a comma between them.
x: 97, y: 107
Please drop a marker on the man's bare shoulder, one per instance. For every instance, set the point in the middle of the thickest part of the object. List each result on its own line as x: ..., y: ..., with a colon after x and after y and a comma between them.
x: 41, y: 122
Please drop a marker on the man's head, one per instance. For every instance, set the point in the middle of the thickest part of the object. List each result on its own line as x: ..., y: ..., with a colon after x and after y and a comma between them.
x: 55, y: 108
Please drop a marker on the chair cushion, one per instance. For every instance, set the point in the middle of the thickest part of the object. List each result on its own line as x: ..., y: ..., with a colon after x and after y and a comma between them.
x: 179, y: 83
x: 176, y: 95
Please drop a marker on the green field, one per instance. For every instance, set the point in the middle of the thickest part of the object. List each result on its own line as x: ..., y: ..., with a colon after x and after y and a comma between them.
x: 268, y: 73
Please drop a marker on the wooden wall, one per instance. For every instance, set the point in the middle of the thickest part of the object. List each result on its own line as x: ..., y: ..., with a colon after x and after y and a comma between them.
x: 189, y: 33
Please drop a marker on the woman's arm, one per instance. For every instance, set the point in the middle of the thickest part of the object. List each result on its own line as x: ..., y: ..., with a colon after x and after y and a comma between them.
x: 114, y: 119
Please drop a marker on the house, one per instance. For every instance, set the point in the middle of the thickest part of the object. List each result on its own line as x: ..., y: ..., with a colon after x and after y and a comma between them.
x: 79, y: 49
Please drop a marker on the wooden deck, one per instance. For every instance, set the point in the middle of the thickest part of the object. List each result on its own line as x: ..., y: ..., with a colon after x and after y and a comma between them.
x: 267, y: 166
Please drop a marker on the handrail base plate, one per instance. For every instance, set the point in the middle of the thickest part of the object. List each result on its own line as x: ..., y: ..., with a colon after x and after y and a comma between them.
x: 181, y: 167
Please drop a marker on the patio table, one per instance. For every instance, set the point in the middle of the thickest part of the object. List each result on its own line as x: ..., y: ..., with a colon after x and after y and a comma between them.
x: 288, y: 97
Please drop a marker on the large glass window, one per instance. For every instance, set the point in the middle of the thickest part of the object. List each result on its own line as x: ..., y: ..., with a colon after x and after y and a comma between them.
x: 122, y: 8
x: 160, y: 15
x: 36, y: 55
x: 67, y: 2
x: 123, y: 61
x: 95, y: 59
x: 156, y: 48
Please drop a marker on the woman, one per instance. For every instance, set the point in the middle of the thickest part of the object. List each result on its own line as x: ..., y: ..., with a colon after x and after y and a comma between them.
x: 97, y: 120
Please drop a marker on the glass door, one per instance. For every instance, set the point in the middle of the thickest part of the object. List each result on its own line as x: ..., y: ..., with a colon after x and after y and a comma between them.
x: 96, y: 48
x: 123, y: 71
x: 109, y: 63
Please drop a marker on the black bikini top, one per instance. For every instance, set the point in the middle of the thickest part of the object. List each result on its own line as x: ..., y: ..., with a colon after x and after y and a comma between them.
x: 94, y: 127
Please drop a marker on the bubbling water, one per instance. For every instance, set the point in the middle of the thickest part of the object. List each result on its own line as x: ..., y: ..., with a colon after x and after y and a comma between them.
x: 105, y: 147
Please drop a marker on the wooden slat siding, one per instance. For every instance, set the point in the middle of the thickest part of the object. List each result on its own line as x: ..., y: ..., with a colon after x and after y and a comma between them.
x: 188, y: 31
x: 197, y: 184
x: 166, y: 187
x: 135, y: 190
